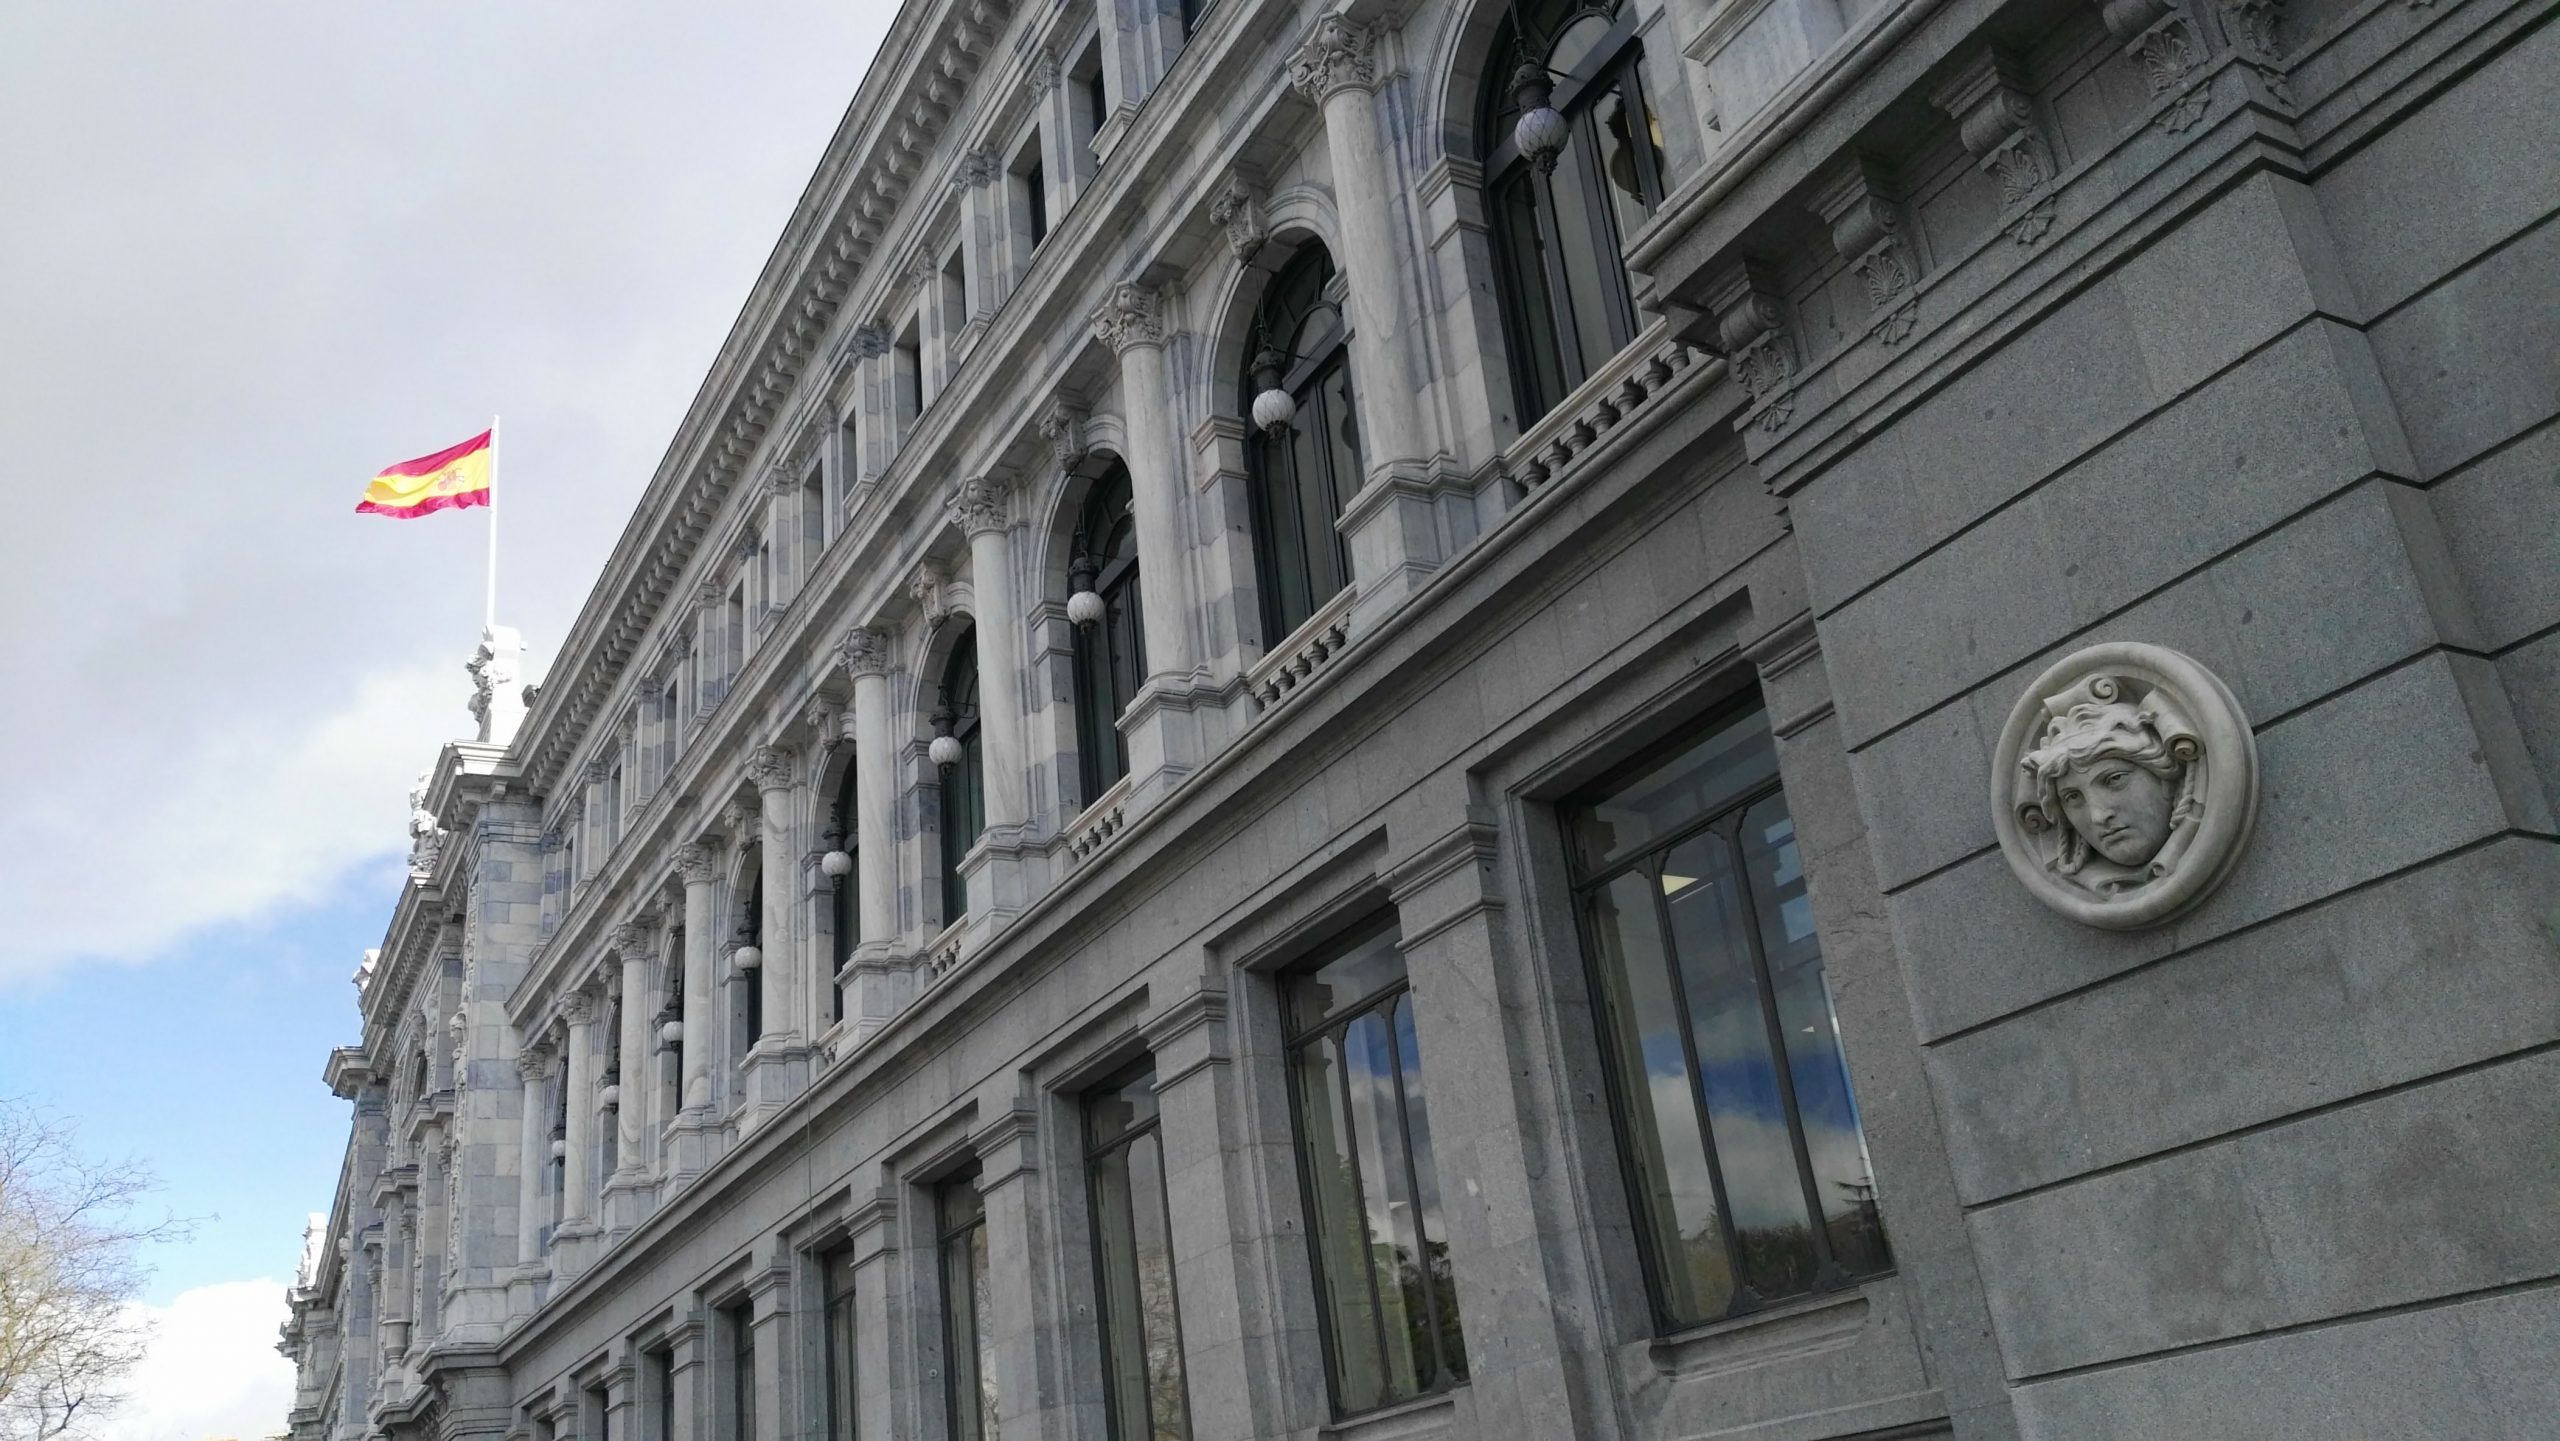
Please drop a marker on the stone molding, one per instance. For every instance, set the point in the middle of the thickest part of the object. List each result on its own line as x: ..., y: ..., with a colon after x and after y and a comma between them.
x: 929, y: 588
x: 1131, y: 315
x: 1759, y: 344
x: 1866, y: 232
x: 1339, y: 54
x: 1062, y: 425
x: 2125, y: 785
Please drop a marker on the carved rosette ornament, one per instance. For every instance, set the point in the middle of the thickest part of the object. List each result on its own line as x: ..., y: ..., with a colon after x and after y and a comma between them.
x: 1866, y: 230
x: 2162, y: 44
x: 1129, y: 316
x: 1341, y: 54
x: 1995, y: 117
x: 1751, y: 322
x: 2124, y: 785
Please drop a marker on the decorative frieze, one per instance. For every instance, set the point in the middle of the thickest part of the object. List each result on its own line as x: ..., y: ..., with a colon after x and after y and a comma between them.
x: 1867, y: 232
x: 1995, y: 115
x: 1759, y: 344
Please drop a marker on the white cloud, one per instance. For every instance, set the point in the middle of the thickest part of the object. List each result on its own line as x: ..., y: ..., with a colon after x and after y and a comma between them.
x: 210, y: 1370
x: 220, y: 825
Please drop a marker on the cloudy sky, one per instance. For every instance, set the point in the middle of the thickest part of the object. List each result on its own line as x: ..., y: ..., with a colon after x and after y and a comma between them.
x: 254, y: 252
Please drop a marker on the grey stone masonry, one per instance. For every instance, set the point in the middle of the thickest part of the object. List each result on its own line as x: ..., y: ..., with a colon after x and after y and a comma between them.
x: 2099, y: 457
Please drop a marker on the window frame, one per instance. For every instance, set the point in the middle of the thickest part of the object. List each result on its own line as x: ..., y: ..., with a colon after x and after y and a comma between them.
x: 973, y: 762
x: 1305, y: 378
x: 839, y: 1350
x: 1102, y: 753
x: 1724, y: 821
x: 1095, y: 1151
x: 1296, y: 1038
x: 948, y: 1235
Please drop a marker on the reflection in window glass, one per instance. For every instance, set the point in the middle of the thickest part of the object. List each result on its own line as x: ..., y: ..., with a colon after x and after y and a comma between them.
x: 1389, y: 1302
x: 969, y: 1373
x: 1741, y: 1136
x: 1133, y: 1261
x: 835, y: 1271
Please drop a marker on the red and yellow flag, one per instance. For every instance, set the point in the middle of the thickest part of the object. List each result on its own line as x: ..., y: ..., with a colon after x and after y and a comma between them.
x: 447, y: 480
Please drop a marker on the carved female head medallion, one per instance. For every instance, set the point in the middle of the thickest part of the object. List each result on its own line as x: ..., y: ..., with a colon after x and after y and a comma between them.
x: 2124, y: 785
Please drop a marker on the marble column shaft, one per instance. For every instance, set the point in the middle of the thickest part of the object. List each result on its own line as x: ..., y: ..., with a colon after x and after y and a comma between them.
x: 1134, y: 326
x: 700, y: 948
x: 987, y: 514
x: 1337, y: 68
x: 577, y: 1202
x: 531, y: 1063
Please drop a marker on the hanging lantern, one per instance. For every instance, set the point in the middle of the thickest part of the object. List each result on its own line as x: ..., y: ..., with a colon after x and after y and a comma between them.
x: 1273, y: 408
x: 1542, y: 132
x: 1084, y: 603
x: 836, y: 863
x: 610, y: 1097
x: 559, y: 1149
x: 746, y: 958
x: 945, y: 752
x: 671, y: 1033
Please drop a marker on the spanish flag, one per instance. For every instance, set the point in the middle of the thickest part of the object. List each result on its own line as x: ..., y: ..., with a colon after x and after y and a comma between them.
x: 450, y: 479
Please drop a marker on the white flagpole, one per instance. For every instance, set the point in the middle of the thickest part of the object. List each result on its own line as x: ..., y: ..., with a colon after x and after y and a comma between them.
x: 491, y: 620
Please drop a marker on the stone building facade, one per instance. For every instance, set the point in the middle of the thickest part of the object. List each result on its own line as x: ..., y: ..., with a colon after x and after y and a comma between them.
x: 1774, y: 719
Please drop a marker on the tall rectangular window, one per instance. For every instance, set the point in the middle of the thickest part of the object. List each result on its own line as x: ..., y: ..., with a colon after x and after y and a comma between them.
x: 835, y: 1283
x: 1031, y: 195
x: 969, y: 1378
x: 736, y: 640
x: 662, y: 1372
x: 1734, y: 1115
x: 1390, y: 1305
x: 740, y: 1324
x: 955, y: 298
x: 906, y: 356
x: 1133, y: 1262
x: 813, y: 520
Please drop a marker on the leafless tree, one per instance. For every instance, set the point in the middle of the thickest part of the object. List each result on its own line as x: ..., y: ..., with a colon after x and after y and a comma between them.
x: 70, y: 1262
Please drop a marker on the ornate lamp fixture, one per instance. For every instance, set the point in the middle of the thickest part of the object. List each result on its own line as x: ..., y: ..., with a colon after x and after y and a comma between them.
x: 945, y: 752
x: 836, y: 863
x: 670, y: 1019
x: 1084, y: 603
x: 1542, y: 130
x: 746, y: 957
x: 1273, y: 407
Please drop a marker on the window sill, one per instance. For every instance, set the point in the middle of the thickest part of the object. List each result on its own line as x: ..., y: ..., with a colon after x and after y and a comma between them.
x: 1789, y: 1331
x: 1405, y: 1418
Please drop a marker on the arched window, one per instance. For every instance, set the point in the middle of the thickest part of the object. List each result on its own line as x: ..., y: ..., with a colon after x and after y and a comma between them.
x: 964, y: 787
x: 1111, y: 658
x: 847, y: 900
x: 1558, y: 234
x: 1301, y: 476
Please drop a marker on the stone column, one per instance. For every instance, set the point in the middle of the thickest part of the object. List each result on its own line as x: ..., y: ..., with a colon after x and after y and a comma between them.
x: 1402, y: 524
x: 689, y: 1374
x: 777, y: 1066
x: 1218, y: 1232
x: 1167, y: 723
x: 1016, y: 1334
x: 391, y: 1329
x: 878, y: 984
x: 880, y: 1314
x: 435, y: 1195
x: 532, y: 1064
x: 983, y: 508
x: 692, y: 1140
x: 571, y: 1240
x: 626, y: 1192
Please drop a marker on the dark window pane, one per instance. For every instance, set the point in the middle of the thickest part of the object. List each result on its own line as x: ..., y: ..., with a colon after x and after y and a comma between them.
x: 836, y: 1272
x: 1340, y: 1239
x: 970, y: 1390
x: 1435, y: 1277
x: 1834, y: 1143
x: 1586, y: 247
x: 1675, y: 1189
x: 1168, y: 1400
x: 1630, y: 153
x: 1736, y: 1074
x: 1387, y: 1209
x: 1529, y: 310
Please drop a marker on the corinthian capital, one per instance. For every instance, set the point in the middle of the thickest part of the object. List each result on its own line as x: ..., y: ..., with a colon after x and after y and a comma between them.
x: 1131, y: 315
x: 693, y: 862
x: 769, y: 767
x: 533, y: 1063
x: 1340, y: 55
x: 981, y: 503
x: 631, y: 938
x: 578, y: 1007
x: 863, y: 651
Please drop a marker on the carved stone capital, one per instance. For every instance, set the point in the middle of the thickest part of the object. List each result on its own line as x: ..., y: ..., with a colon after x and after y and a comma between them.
x: 871, y: 339
x: 578, y: 1008
x: 631, y: 938
x: 1341, y: 54
x: 980, y: 504
x: 2124, y: 785
x: 769, y: 767
x: 1239, y: 209
x: 1131, y: 315
x: 975, y: 169
x: 1043, y: 75
x: 863, y: 652
x: 694, y: 864
x: 533, y: 1063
